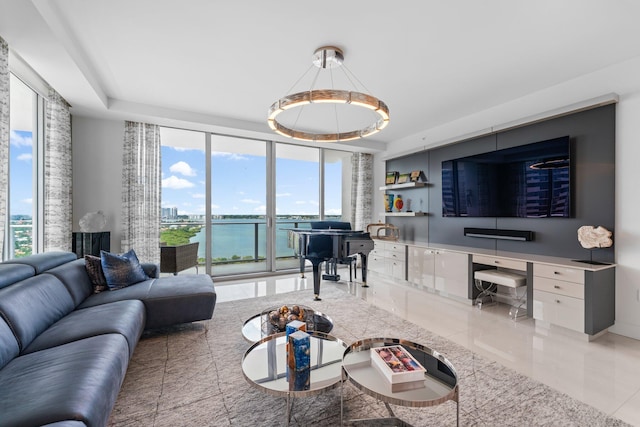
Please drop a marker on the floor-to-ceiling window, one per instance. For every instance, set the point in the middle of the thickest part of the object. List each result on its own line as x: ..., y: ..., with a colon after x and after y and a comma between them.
x: 298, y: 202
x: 24, y: 117
x: 238, y: 205
x: 257, y: 190
x: 183, y: 188
x: 337, y: 184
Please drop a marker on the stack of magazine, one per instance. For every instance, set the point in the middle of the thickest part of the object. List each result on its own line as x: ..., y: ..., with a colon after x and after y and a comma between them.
x: 401, y: 370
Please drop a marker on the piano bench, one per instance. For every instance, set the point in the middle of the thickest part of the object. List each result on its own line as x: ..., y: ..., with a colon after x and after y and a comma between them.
x: 332, y: 268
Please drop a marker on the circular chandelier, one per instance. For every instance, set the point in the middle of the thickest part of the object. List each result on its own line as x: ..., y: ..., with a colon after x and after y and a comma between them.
x: 328, y: 57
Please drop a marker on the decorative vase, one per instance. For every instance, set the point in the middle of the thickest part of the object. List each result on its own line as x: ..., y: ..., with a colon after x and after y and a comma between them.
x: 398, y: 203
x: 388, y: 202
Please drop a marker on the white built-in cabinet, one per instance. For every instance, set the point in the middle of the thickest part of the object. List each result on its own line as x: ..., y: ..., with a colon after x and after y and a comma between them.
x: 558, y: 296
x: 444, y: 271
x: 389, y: 259
x: 564, y: 292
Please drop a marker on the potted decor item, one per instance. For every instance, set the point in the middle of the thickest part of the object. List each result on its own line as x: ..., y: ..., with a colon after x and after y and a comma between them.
x: 398, y: 203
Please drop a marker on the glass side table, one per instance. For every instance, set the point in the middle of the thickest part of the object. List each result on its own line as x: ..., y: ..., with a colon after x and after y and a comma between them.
x: 440, y: 379
x: 264, y: 366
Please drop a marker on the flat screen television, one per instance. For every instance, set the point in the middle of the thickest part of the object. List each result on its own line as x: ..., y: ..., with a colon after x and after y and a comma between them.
x: 528, y: 181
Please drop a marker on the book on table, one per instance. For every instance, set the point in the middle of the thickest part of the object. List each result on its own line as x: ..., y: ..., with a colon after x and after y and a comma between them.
x: 398, y: 366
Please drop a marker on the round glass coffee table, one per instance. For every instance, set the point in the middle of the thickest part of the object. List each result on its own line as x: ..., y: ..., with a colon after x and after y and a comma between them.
x: 261, y: 325
x: 440, y: 382
x: 264, y: 366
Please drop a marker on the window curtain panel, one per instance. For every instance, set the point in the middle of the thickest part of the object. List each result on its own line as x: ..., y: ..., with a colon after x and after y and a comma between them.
x: 361, y: 190
x: 4, y: 139
x: 141, y: 191
x: 58, y: 176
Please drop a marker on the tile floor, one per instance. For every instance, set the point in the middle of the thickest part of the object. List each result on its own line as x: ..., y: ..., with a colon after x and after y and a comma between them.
x: 604, y: 373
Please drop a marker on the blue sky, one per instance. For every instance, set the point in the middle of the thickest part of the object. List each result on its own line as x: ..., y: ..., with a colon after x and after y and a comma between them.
x: 21, y: 179
x: 239, y: 184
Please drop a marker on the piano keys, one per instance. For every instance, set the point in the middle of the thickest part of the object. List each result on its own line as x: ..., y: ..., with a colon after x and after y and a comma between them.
x: 320, y: 245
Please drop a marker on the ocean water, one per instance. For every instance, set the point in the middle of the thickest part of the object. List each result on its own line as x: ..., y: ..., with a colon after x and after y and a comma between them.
x: 238, y: 237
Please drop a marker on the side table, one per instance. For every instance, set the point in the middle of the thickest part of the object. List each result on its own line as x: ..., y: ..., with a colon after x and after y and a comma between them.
x: 90, y: 243
x: 264, y: 366
x: 440, y: 379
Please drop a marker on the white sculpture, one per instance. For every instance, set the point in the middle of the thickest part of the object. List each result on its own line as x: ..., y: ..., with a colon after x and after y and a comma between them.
x: 591, y: 237
x: 93, y: 221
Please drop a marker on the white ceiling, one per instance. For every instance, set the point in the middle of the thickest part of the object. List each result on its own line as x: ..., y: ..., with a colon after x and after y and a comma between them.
x: 222, y: 63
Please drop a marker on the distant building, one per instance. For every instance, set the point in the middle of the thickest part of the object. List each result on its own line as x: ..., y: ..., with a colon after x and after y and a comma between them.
x: 169, y: 213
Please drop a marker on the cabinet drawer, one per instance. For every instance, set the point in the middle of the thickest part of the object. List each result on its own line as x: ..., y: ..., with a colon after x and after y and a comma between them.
x: 558, y: 272
x: 390, y: 246
x: 560, y: 287
x: 500, y: 262
x: 376, y: 252
x: 395, y: 248
x: 395, y: 251
x: 559, y: 310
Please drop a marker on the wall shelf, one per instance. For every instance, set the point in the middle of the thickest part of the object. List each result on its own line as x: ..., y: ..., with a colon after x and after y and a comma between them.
x: 405, y: 185
x: 406, y: 213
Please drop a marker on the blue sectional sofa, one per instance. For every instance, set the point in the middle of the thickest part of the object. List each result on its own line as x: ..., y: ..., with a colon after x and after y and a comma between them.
x: 64, y: 350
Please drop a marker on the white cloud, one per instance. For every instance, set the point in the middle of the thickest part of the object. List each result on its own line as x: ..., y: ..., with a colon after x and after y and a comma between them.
x: 333, y: 211
x: 314, y: 202
x: 215, y: 206
x: 19, y: 140
x: 283, y: 194
x: 198, y: 196
x: 300, y: 202
x: 182, y: 168
x: 184, y: 148
x: 28, y: 201
x: 175, y: 183
x: 260, y: 209
x: 252, y: 201
x: 25, y: 157
x: 230, y: 156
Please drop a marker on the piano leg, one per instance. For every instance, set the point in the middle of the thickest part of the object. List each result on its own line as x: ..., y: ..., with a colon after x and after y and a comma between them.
x: 316, y: 280
x: 302, y: 267
x: 363, y: 262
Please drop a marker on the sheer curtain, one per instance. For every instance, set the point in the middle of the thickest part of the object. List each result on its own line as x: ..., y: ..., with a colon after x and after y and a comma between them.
x: 141, y: 191
x: 361, y: 190
x: 58, y: 177
x: 4, y: 138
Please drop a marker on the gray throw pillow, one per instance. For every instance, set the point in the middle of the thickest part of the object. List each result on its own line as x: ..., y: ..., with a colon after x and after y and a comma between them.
x: 121, y: 271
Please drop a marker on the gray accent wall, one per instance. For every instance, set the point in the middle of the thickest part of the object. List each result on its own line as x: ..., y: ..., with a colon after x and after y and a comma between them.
x: 415, y: 229
x: 592, y: 134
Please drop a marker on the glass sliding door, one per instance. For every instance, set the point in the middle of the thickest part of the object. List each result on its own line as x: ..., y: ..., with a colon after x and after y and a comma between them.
x: 238, y: 205
x: 183, y: 189
x: 297, y: 196
x: 253, y: 191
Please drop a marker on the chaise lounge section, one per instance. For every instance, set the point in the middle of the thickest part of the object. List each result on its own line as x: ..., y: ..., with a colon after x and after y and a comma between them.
x: 64, y: 350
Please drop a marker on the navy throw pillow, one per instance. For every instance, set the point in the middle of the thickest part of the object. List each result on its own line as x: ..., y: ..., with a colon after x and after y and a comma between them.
x: 121, y: 270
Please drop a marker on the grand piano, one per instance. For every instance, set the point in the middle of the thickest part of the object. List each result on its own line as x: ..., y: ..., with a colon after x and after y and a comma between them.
x: 331, y: 242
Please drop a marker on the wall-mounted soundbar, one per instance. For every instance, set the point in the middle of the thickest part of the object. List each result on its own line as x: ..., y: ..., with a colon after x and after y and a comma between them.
x: 493, y: 233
